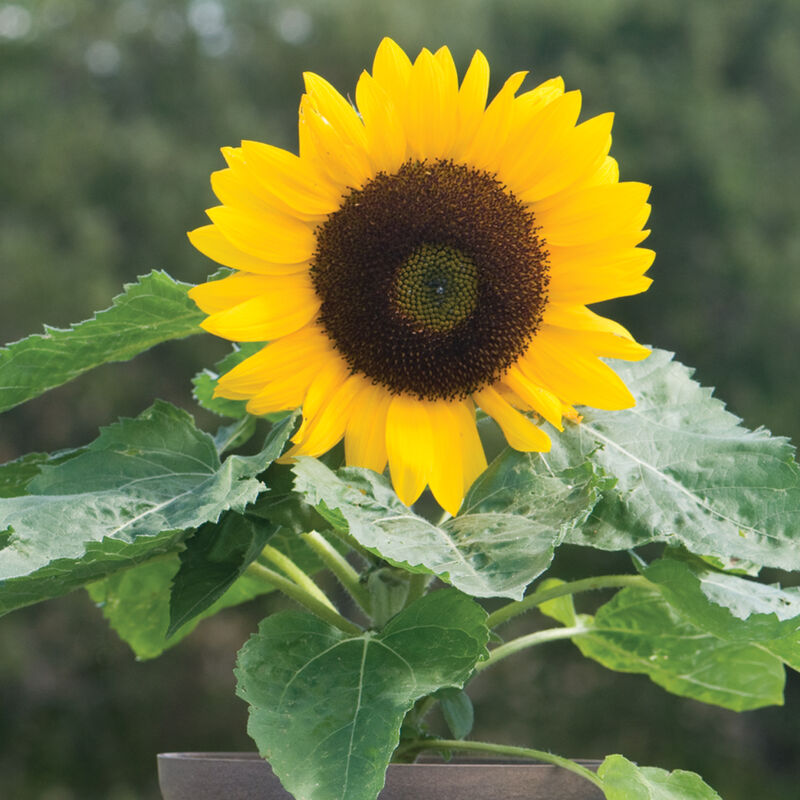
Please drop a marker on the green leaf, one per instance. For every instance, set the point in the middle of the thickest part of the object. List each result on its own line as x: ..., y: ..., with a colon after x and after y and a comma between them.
x: 16, y: 475
x: 687, y: 472
x: 457, y: 711
x: 483, y: 552
x: 561, y: 609
x: 136, y: 604
x: 728, y: 606
x: 214, y: 558
x: 151, y: 311
x: 128, y: 497
x: 786, y: 649
x: 624, y: 780
x: 205, y: 382
x: 638, y: 631
x: 326, y: 707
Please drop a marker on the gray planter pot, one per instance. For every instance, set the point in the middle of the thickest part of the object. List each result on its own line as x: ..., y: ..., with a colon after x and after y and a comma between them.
x: 245, y: 776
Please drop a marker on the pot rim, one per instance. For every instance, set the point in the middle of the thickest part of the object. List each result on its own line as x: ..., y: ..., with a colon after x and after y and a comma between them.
x: 427, y: 761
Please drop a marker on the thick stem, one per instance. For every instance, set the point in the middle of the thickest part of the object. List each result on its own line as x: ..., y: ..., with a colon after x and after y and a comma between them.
x: 288, y: 566
x: 531, y: 640
x: 417, y: 584
x: 340, y: 567
x: 300, y: 595
x: 513, y: 609
x: 513, y: 752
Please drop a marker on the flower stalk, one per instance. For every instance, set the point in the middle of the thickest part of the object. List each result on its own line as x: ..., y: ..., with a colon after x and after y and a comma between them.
x: 517, y: 607
x: 340, y: 567
x: 512, y: 752
x: 311, y: 601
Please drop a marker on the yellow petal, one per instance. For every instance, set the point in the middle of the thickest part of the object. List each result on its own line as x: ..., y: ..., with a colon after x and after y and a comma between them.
x: 305, y: 348
x: 330, y: 422
x: 386, y: 139
x: 336, y: 110
x: 271, y: 236
x: 481, y: 152
x: 521, y: 433
x: 232, y: 191
x: 330, y: 149
x: 210, y: 242
x: 330, y: 375
x: 365, y: 435
x: 598, y: 278
x: 474, y: 459
x: 391, y: 69
x: 280, y: 394
x: 575, y: 375
x: 593, y: 214
x: 288, y: 305
x: 288, y: 178
x: 409, y: 446
x: 447, y: 473
x: 223, y: 294
x: 529, y: 154
x: 568, y: 315
x: 541, y: 400
x: 606, y: 172
x: 571, y: 157
x: 431, y: 112
x: 472, y: 99
x: 599, y: 343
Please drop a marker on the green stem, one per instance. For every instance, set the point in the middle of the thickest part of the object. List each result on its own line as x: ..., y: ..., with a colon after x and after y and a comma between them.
x: 417, y: 584
x: 513, y: 752
x: 340, y: 567
x: 300, y: 595
x: 530, y: 640
x: 513, y: 609
x: 353, y: 544
x: 288, y: 566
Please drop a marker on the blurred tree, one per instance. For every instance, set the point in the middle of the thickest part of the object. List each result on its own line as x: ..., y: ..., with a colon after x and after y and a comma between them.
x: 111, y: 116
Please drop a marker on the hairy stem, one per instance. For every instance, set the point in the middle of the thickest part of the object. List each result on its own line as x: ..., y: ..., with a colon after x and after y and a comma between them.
x: 513, y: 609
x: 531, y: 640
x: 294, y: 572
x: 299, y: 594
x: 513, y: 752
x: 340, y: 567
x: 417, y: 584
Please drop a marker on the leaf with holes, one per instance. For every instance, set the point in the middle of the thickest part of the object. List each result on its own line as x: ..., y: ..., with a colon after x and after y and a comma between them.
x: 728, y: 606
x: 131, y: 495
x: 485, y: 551
x: 687, y: 472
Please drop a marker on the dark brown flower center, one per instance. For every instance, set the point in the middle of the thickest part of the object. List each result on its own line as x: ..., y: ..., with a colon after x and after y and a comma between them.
x: 433, y: 280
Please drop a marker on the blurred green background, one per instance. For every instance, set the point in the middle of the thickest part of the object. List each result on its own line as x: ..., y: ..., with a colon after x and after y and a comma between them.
x: 111, y: 116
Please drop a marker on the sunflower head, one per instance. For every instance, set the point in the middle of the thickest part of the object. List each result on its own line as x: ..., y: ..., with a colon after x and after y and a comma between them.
x: 426, y: 253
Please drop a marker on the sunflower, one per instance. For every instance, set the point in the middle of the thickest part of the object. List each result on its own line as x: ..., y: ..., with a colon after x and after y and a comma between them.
x: 424, y: 255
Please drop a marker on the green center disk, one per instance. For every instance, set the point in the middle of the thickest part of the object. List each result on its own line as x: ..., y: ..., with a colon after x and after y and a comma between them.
x: 436, y: 287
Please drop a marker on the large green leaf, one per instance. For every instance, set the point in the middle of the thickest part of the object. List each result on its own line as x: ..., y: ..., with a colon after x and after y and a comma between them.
x: 624, y: 780
x: 326, y: 707
x: 151, y: 311
x: 686, y: 471
x: 638, y: 631
x: 16, y: 475
x: 726, y: 605
x: 492, y: 549
x: 215, y: 557
x: 128, y: 497
x: 136, y: 604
